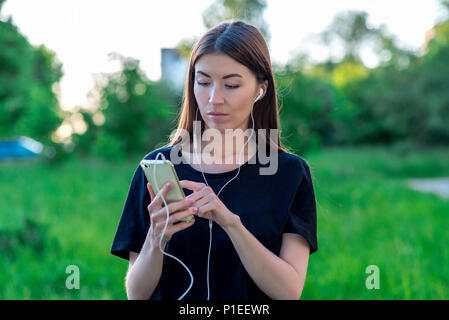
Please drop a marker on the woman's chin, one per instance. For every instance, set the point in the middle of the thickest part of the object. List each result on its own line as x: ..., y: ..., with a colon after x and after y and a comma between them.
x: 218, y: 125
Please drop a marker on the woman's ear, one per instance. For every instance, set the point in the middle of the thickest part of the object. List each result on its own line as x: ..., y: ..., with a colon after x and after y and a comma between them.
x: 264, y: 86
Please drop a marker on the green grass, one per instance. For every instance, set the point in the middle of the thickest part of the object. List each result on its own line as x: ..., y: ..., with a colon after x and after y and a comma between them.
x: 55, y: 216
x: 368, y: 216
x: 75, y: 209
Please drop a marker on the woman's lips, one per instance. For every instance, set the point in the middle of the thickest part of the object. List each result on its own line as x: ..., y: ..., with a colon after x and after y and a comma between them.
x: 217, y: 115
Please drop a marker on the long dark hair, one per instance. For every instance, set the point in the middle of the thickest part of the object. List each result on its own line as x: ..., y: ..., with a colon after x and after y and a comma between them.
x: 245, y: 44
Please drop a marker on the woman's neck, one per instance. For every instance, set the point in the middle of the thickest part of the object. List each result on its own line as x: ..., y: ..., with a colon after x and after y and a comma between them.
x: 228, y: 149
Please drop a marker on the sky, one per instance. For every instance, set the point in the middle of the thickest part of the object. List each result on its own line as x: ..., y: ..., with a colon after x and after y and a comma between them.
x: 83, y: 32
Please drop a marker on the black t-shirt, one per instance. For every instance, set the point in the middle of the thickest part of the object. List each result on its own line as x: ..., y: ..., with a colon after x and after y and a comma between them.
x: 268, y: 206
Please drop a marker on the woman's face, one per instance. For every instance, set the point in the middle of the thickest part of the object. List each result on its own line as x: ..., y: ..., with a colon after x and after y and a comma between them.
x: 222, y: 85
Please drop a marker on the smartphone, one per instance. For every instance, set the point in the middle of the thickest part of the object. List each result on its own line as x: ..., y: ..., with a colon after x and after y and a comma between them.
x: 165, y: 172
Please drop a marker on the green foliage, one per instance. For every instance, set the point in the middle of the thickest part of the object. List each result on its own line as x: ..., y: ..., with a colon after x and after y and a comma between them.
x: 409, y: 103
x: 184, y: 47
x: 138, y: 114
x: 28, y: 105
x: 440, y: 38
x: 250, y: 11
x: 306, y: 105
x: 351, y: 29
x: 348, y: 72
x: 405, y: 100
x: 85, y: 142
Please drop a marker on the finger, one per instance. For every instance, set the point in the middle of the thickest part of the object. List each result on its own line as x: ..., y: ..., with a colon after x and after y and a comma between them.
x: 203, y: 200
x: 150, y: 190
x: 174, y: 220
x: 191, y: 185
x: 206, y: 210
x: 172, y: 208
x: 158, y: 202
x: 177, y: 217
x: 201, y: 193
x: 182, y: 225
x: 206, y: 215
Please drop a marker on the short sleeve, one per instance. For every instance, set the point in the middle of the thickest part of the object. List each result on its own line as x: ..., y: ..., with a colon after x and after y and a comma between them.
x: 302, y: 218
x: 134, y: 221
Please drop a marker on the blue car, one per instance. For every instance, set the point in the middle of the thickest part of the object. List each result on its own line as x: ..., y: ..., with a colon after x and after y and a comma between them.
x: 20, y: 148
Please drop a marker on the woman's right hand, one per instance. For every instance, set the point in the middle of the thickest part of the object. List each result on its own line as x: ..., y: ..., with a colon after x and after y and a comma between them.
x: 158, y: 215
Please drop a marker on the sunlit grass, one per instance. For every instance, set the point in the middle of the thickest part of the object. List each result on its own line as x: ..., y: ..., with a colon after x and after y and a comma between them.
x: 369, y: 216
x: 55, y: 216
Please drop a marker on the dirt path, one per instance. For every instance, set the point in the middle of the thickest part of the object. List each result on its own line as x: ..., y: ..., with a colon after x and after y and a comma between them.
x: 440, y: 186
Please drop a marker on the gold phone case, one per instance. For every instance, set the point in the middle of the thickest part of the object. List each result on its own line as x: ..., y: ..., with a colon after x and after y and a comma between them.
x: 165, y: 171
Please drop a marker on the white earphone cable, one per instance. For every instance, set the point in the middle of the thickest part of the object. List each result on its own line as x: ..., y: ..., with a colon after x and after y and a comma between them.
x: 210, y: 220
x: 165, y: 228
x: 238, y: 172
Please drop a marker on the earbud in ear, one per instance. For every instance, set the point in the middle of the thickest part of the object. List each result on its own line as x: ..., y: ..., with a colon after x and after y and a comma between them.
x: 260, y: 94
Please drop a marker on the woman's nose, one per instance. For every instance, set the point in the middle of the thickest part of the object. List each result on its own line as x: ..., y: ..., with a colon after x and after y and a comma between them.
x: 215, y: 96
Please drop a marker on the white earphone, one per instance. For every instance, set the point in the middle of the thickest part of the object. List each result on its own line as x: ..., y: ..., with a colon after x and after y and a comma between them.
x: 210, y: 220
x: 260, y: 94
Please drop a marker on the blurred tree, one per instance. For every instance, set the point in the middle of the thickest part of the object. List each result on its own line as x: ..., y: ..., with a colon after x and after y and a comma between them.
x: 306, y: 104
x: 406, y: 103
x: 430, y: 89
x: 439, y: 39
x: 345, y: 77
x: 43, y: 115
x: 348, y: 72
x: 405, y: 99
x: 351, y: 29
x: 364, y: 111
x: 445, y: 5
x: 249, y: 11
x: 138, y: 113
x: 85, y: 142
x: 390, y: 54
x: 28, y: 105
x: 184, y: 47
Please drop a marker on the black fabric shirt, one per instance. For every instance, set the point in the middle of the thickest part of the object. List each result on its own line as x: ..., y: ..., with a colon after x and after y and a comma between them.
x: 268, y: 206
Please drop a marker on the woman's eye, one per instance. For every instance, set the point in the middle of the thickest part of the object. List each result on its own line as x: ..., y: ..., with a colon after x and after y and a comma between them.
x: 227, y: 86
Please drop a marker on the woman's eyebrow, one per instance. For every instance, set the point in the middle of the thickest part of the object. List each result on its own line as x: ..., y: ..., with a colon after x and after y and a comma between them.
x: 225, y: 77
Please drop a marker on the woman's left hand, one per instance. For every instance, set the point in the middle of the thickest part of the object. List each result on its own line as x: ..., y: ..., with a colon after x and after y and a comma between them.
x: 208, y: 204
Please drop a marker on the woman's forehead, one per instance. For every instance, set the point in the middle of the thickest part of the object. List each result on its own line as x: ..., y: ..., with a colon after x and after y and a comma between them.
x: 220, y: 65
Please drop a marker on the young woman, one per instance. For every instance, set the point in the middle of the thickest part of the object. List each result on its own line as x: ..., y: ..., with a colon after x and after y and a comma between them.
x: 252, y: 233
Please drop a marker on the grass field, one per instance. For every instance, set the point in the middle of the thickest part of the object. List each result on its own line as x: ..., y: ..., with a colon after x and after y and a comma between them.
x: 55, y: 216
